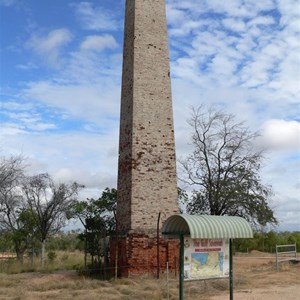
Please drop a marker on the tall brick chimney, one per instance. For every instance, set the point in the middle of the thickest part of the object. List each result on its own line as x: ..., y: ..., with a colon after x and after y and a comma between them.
x: 147, y: 185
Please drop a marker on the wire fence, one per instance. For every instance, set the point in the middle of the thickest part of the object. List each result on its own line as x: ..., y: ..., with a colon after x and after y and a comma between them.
x: 104, y: 268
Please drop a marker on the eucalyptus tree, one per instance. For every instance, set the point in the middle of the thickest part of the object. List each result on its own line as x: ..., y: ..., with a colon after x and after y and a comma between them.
x: 50, y: 204
x: 224, y: 168
x: 12, y: 206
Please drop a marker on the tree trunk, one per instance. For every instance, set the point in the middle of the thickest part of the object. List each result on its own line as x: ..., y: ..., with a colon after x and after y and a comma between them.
x: 19, y: 252
x: 20, y: 256
x: 43, y: 253
x: 85, y: 249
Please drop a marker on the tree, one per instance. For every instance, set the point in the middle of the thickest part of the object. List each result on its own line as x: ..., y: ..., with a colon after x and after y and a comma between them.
x: 18, y: 224
x: 106, y: 207
x: 103, y: 208
x: 11, y: 172
x: 99, y: 220
x: 50, y: 203
x: 225, y: 166
x: 12, y: 207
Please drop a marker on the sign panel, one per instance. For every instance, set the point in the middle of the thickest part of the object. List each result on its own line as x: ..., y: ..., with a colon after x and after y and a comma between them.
x: 206, y: 258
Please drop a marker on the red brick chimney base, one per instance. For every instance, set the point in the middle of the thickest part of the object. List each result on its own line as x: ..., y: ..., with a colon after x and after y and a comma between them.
x: 139, y: 255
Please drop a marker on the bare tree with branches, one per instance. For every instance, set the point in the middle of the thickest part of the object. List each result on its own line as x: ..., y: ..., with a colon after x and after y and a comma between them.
x: 12, y: 206
x: 224, y: 169
x: 11, y: 172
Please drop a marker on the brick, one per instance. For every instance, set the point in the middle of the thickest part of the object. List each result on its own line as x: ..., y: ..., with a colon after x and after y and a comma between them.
x: 147, y: 182
x: 137, y: 255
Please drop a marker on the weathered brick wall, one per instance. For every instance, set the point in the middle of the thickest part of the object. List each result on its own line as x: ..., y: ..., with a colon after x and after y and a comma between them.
x: 137, y: 256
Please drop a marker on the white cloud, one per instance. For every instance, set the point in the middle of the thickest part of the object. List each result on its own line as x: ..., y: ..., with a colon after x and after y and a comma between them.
x: 234, y: 24
x: 94, y: 18
x: 22, y: 117
x: 14, y: 105
x: 98, y: 43
x: 261, y: 20
x: 69, y: 157
x: 175, y: 15
x: 27, y: 66
x: 49, y: 46
x: 10, y: 129
x: 281, y: 134
x: 87, y: 102
x: 236, y: 8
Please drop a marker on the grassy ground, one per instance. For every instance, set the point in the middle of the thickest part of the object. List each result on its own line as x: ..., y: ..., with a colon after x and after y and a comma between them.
x: 252, y: 273
x: 68, y: 285
x: 62, y: 261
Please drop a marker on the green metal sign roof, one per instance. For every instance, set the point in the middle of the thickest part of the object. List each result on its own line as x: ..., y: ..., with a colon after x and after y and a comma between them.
x: 207, y: 226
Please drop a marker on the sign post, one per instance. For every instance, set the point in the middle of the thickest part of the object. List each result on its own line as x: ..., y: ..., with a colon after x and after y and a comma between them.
x: 181, y: 266
x: 230, y: 270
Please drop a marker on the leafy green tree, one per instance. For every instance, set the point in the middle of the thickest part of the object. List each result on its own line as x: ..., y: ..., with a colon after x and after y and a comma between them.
x: 224, y: 169
x: 271, y: 240
x: 267, y: 241
x: 99, y: 220
x: 103, y: 208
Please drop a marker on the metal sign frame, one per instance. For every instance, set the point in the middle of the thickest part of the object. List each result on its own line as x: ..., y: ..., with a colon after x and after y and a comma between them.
x: 206, y: 227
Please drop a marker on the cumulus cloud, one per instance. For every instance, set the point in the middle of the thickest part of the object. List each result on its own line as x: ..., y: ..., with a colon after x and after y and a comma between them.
x: 98, y: 43
x: 281, y: 134
x: 49, y: 46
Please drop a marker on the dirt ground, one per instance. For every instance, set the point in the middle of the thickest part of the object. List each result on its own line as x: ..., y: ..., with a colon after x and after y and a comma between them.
x: 255, y: 278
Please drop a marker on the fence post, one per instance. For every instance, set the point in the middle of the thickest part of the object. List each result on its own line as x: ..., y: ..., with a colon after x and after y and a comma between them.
x: 276, y: 258
x: 168, y: 288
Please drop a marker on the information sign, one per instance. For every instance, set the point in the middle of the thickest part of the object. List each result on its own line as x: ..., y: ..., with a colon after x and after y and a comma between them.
x: 206, y: 258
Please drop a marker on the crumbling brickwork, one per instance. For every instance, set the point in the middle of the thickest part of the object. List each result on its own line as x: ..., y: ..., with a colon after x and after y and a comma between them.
x: 138, y: 255
x: 147, y: 183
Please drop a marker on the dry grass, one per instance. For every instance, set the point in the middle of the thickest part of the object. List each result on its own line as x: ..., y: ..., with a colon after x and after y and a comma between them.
x: 63, y: 261
x: 251, y: 273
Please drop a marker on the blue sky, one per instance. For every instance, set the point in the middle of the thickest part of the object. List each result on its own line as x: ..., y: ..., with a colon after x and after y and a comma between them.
x: 61, y: 72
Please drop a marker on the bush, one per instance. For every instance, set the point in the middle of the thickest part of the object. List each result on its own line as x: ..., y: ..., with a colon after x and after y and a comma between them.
x: 51, y: 256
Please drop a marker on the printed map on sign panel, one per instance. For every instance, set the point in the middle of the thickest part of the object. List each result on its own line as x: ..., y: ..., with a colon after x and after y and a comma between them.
x: 205, y: 258
x: 207, y: 264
